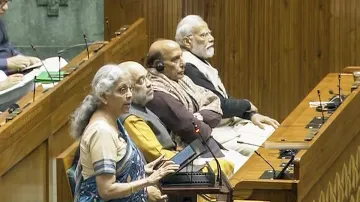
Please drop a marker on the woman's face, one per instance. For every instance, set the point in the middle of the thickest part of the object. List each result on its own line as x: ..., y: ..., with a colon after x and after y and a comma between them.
x: 119, y: 100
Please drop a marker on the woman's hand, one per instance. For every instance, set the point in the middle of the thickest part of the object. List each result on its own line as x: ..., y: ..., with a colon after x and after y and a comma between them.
x: 167, y: 168
x: 155, y: 194
x: 149, y: 168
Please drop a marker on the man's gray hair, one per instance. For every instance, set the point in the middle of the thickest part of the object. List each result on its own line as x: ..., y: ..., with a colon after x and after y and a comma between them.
x: 104, y: 82
x: 185, y: 27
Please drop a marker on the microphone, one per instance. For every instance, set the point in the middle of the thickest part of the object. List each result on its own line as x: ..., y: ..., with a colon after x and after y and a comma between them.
x: 87, y: 46
x: 107, y: 27
x: 197, y: 131
x: 59, y: 66
x: 322, y: 111
x: 241, y: 142
x: 339, y: 78
x: 37, y: 54
x: 34, y: 89
x: 273, y: 169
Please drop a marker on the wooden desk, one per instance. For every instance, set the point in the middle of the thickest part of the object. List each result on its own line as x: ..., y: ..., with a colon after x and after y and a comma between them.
x: 329, y: 169
x: 31, y: 141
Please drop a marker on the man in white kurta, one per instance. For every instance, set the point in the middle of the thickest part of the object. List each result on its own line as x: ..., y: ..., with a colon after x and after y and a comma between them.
x: 241, y: 121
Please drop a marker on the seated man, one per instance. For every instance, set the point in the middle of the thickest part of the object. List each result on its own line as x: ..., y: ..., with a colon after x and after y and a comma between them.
x: 195, y: 38
x: 11, y: 61
x: 145, y: 129
x: 179, y: 103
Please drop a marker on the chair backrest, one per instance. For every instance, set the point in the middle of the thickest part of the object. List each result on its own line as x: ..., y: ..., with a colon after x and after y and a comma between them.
x: 63, y: 163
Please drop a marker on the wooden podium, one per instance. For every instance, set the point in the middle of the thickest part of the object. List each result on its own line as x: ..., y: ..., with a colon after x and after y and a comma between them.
x: 329, y: 170
x: 31, y: 141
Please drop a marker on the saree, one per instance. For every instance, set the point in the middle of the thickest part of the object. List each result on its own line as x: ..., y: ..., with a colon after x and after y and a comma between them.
x: 131, y: 166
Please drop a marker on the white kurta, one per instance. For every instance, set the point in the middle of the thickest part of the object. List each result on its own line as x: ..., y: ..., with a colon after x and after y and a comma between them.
x: 236, y: 129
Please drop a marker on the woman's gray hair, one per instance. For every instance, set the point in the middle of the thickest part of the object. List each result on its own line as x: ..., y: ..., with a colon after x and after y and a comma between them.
x: 185, y: 27
x: 104, y: 82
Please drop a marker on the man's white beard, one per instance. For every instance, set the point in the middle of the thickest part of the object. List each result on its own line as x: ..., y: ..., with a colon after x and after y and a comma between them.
x: 202, y: 52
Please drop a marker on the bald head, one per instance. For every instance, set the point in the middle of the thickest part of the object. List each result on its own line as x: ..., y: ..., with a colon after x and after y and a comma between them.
x: 133, y: 68
x: 162, y: 47
x: 143, y: 91
x: 170, y: 54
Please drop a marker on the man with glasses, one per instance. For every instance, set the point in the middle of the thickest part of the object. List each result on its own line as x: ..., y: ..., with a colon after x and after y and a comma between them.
x: 194, y: 37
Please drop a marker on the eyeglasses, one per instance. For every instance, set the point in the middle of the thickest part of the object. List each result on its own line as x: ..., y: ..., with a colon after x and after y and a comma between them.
x: 142, y: 81
x: 205, y: 35
x: 125, y: 89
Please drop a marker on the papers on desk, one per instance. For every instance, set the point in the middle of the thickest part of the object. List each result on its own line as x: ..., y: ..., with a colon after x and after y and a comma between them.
x: 52, y: 64
x: 16, y: 92
x: 317, y: 104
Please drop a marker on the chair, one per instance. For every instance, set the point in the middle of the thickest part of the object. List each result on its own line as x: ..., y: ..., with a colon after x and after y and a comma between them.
x: 63, y: 164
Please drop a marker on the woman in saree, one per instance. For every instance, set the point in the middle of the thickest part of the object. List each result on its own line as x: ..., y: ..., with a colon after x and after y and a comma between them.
x: 111, y: 168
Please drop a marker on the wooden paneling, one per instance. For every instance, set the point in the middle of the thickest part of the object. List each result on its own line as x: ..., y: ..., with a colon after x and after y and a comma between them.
x: 30, y: 142
x: 18, y: 181
x: 272, y: 52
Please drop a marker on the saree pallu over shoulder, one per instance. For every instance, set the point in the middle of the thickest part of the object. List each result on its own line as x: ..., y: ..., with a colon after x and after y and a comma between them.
x: 129, y: 168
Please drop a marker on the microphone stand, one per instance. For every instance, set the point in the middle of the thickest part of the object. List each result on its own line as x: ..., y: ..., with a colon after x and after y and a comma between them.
x: 197, y: 131
x: 59, y: 67
x: 257, y: 153
x: 322, y: 111
x: 87, y: 46
x: 37, y: 54
x: 241, y: 142
x: 34, y: 89
x: 339, y: 78
x: 107, y: 27
x: 274, y: 172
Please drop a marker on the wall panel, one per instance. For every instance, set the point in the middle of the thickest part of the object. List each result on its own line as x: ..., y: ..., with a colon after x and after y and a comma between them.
x: 272, y: 52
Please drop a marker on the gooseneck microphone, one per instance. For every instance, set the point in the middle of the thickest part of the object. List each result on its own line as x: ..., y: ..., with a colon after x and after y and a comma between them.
x: 107, y: 27
x: 59, y: 67
x: 37, y: 54
x: 34, y: 89
x: 241, y: 142
x: 197, y: 131
x: 87, y: 46
x: 274, y: 172
x: 322, y: 111
x: 339, y: 78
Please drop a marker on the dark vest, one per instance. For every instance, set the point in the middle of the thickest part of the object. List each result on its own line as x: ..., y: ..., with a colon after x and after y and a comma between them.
x: 156, y: 125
